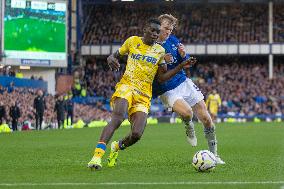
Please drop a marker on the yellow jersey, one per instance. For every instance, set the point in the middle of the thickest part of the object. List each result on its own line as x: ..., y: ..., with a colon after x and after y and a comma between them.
x: 213, y: 101
x: 142, y: 64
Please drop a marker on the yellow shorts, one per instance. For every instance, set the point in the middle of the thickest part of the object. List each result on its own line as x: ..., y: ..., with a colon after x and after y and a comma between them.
x: 137, y: 101
x: 213, y: 111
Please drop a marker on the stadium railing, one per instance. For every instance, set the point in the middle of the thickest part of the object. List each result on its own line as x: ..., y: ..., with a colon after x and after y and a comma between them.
x: 30, y: 83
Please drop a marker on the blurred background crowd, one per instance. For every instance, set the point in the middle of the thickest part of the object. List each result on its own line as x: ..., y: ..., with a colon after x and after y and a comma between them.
x: 198, y: 23
x: 241, y: 81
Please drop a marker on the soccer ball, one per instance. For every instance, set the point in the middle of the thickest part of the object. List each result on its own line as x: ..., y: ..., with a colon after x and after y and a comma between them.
x: 204, y: 161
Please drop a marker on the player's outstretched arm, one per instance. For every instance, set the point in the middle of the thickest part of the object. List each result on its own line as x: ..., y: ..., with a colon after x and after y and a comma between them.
x: 112, y: 61
x: 164, y: 75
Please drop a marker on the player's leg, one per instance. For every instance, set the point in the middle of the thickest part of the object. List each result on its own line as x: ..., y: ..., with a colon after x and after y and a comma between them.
x: 62, y: 123
x: 16, y: 124
x: 71, y: 116
x: 195, y: 99
x: 202, y: 114
x: 117, y: 117
x: 138, y: 122
x: 175, y: 100
x: 213, y: 116
x: 67, y: 118
x: 40, y: 120
x: 120, y: 108
x: 137, y: 112
x: 58, y: 122
x: 182, y: 108
x: 213, y: 113
x: 37, y: 120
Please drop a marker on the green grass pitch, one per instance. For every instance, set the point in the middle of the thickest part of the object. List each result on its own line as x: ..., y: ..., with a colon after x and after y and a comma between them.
x: 36, y: 35
x: 254, y: 155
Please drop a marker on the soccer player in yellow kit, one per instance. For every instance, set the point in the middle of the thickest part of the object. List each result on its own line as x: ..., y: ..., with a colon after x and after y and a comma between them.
x: 134, y: 91
x: 213, y: 102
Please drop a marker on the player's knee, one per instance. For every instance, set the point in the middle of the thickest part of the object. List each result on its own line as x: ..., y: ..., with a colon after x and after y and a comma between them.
x: 186, y: 114
x: 207, y: 121
x: 117, y: 118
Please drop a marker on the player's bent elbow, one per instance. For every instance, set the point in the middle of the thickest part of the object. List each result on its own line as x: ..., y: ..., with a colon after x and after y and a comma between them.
x: 161, y: 80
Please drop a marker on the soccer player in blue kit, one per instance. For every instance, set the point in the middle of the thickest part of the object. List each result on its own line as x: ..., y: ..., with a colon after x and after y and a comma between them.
x: 180, y: 93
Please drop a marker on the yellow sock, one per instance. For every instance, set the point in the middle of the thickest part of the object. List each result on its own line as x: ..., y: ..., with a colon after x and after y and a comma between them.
x: 100, y: 149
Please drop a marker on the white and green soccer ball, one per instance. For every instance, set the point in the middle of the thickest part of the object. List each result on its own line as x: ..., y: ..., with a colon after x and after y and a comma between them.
x: 204, y: 161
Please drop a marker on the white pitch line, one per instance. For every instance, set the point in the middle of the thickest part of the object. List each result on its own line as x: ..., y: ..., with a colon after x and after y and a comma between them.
x: 146, y: 183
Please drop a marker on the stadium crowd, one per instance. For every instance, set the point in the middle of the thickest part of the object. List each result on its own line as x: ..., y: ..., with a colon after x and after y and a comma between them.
x: 24, y: 98
x: 99, y: 80
x: 243, y: 85
x: 248, y: 91
x: 221, y: 23
x: 278, y: 23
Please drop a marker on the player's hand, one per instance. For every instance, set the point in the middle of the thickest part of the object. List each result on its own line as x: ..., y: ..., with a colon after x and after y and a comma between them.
x: 192, y: 60
x: 168, y: 58
x: 189, y: 62
x: 113, y: 63
x: 181, y: 50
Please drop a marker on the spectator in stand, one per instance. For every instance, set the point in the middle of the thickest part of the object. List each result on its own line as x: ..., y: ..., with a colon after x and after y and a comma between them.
x: 15, y: 114
x: 69, y: 109
x: 12, y: 73
x: 25, y: 98
x: 39, y: 106
x: 2, y: 112
x: 19, y: 74
x: 2, y: 90
x: 60, y: 110
x: 10, y: 87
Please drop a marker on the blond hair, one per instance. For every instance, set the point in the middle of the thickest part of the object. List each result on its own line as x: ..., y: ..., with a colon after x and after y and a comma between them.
x: 170, y: 18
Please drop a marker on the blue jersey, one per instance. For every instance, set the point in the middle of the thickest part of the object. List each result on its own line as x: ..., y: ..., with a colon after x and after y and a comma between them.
x: 171, y: 46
